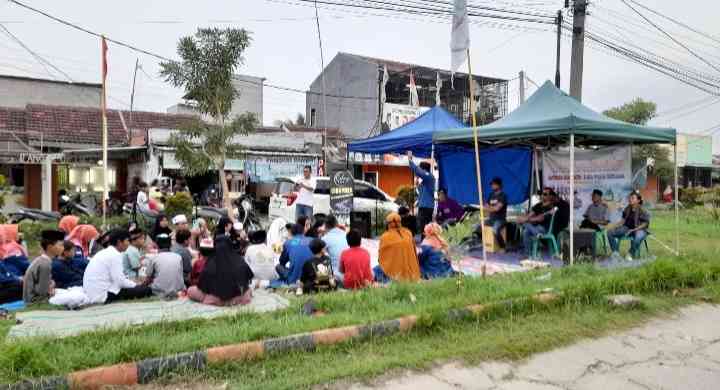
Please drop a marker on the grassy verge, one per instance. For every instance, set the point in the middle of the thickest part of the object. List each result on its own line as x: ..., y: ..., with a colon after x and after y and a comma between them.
x: 583, y: 288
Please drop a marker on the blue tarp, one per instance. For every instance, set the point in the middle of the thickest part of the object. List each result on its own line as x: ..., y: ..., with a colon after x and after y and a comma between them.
x: 512, y: 165
x: 415, y: 136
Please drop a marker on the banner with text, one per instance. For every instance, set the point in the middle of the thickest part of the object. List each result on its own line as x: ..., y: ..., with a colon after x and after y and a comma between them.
x: 608, y: 170
x: 341, y: 196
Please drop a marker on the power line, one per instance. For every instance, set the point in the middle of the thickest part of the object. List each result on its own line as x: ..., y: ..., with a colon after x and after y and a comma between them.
x: 679, y: 23
x: 671, y: 37
x: 75, y: 26
x: 41, y: 60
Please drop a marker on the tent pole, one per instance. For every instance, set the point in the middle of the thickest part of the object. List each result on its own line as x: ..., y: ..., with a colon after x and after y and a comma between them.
x: 437, y: 181
x: 677, y: 199
x: 477, y: 153
x: 571, y: 225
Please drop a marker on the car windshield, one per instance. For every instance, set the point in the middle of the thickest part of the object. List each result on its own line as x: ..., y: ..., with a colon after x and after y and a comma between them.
x: 284, y: 187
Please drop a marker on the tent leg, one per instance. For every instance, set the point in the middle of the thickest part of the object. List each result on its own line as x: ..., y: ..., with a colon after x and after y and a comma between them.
x: 571, y: 224
x: 437, y: 181
x: 677, y: 199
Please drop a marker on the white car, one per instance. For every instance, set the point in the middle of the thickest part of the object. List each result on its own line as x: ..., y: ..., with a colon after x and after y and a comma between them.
x: 366, y: 198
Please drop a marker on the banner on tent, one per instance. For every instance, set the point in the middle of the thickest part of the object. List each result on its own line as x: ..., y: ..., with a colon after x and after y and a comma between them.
x: 397, y: 115
x: 608, y: 170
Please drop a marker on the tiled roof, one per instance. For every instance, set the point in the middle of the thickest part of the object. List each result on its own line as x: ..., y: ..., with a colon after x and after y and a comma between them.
x: 61, y: 124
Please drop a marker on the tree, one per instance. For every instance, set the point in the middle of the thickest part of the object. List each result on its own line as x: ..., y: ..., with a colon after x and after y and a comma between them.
x: 208, y: 61
x: 640, y: 112
x: 299, y: 121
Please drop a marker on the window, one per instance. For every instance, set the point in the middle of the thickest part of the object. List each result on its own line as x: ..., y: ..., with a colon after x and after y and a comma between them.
x: 312, y: 117
x: 90, y: 179
x: 322, y: 187
x: 363, y: 190
x: 371, y: 177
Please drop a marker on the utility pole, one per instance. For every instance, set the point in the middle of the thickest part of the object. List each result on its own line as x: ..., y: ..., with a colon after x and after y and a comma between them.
x: 521, y: 77
x: 132, y: 94
x: 557, y: 56
x: 578, y: 48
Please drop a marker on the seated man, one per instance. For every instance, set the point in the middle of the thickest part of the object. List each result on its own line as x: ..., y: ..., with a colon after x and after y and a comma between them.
x: 497, y: 205
x: 165, y: 271
x: 538, y: 221
x: 67, y: 271
x: 132, y: 258
x: 449, y: 210
x: 635, y: 222
x: 355, y: 263
x: 596, y: 215
x: 336, y: 241
x: 296, y: 252
x: 38, y: 285
x: 181, y: 248
x: 104, y: 280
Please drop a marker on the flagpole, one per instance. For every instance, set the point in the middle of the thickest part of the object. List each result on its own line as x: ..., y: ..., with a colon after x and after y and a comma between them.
x: 104, y: 132
x: 477, y: 153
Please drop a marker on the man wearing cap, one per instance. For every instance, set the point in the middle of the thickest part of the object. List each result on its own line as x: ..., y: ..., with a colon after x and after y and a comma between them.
x: 181, y: 222
x: 165, y: 271
x: 104, y: 280
x: 38, y: 285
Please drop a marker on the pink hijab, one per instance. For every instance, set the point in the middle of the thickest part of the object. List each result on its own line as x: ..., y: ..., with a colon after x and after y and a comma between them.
x: 68, y: 223
x: 9, y: 246
x: 82, y: 235
x: 433, y: 237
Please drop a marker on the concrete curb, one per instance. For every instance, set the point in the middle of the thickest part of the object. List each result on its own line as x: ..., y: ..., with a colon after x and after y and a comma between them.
x: 144, y: 371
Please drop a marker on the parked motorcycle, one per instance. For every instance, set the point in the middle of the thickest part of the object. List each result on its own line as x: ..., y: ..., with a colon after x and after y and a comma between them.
x: 73, y: 206
x: 244, y: 210
x: 28, y: 214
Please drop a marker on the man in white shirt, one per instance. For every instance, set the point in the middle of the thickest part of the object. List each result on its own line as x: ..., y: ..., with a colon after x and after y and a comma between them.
x: 306, y: 190
x: 104, y: 280
x: 143, y: 203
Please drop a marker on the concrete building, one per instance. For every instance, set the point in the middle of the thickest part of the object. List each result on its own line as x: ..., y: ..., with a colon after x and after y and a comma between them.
x: 353, y: 92
x: 17, y: 92
x: 249, y: 99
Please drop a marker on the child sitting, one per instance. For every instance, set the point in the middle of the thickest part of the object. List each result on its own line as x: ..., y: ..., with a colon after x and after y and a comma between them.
x: 355, y: 263
x: 317, y: 273
x: 67, y: 269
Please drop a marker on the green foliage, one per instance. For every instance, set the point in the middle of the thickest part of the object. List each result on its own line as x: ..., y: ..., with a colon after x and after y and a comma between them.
x: 407, y: 195
x: 179, y: 203
x: 209, y: 60
x: 637, y: 111
x: 691, y: 196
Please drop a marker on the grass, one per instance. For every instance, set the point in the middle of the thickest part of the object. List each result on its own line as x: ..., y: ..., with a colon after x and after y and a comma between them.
x: 504, y: 334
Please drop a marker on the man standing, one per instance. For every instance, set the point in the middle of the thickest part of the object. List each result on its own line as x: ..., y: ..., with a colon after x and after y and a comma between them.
x: 426, y: 196
x: 596, y: 215
x: 104, y: 280
x: 306, y: 191
x: 497, y: 205
x: 38, y: 285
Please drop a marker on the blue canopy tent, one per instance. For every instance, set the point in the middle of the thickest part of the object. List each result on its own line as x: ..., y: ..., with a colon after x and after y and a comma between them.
x: 457, y: 164
x: 416, y: 136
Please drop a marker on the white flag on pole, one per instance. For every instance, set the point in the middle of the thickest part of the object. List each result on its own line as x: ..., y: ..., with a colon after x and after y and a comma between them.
x: 414, y: 99
x: 460, y: 39
x: 438, y: 86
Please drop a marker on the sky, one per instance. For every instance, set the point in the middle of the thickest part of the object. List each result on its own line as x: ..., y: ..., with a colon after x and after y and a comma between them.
x: 285, y: 48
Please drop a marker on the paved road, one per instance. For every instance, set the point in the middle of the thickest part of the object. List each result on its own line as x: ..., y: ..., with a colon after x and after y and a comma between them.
x: 681, y: 352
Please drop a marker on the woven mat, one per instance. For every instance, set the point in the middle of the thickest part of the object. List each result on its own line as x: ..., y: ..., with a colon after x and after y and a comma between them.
x: 63, y: 323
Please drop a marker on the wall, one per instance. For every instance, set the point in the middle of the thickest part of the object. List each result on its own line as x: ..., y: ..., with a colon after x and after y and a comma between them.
x: 391, y: 178
x: 19, y: 92
x: 251, y: 96
x: 345, y: 75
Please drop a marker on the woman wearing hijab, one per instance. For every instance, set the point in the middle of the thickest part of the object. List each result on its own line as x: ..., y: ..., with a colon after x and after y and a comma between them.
x: 82, y: 236
x: 68, y: 223
x: 13, y: 254
x: 225, y: 280
x: 434, y: 249
x: 162, y: 226
x: 224, y: 227
x: 397, y: 256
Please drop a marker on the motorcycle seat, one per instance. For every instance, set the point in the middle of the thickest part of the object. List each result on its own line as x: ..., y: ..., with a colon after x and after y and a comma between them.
x: 48, y: 214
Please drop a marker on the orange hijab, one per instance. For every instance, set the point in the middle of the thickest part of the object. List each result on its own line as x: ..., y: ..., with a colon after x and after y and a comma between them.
x: 397, y: 256
x: 82, y: 235
x: 68, y: 223
x: 433, y: 237
x: 8, y: 239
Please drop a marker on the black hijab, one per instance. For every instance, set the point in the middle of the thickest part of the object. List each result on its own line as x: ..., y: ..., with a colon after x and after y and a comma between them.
x: 158, y: 230
x: 220, y: 227
x: 226, y: 275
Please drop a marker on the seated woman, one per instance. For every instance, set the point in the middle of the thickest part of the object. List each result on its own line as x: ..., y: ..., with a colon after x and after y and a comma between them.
x: 206, y: 249
x: 635, y: 222
x: 449, y: 210
x: 225, y: 281
x: 397, y: 257
x: 68, y: 223
x: 433, y: 262
x: 261, y: 258
x: 81, y: 237
x: 11, y: 285
x: 14, y: 255
x: 162, y: 226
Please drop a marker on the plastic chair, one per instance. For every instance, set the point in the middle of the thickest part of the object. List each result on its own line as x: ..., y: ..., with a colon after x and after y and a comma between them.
x: 602, y: 236
x: 550, y: 237
x: 644, y: 244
